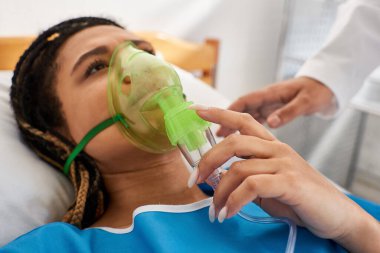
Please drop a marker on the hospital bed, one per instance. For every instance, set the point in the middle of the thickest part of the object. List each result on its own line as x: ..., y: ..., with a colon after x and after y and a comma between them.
x: 31, y: 192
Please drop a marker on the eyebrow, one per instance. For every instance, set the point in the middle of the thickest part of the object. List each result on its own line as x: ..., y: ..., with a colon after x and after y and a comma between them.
x: 96, y: 51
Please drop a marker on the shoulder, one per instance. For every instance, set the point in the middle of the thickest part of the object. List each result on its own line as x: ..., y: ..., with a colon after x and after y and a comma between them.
x: 44, y: 238
x: 55, y: 228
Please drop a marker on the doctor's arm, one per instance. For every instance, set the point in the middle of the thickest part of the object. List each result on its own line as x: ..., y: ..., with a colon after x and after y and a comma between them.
x: 275, y: 177
x: 328, y: 80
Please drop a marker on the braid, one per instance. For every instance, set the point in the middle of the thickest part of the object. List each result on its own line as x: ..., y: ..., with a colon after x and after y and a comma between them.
x: 38, y: 112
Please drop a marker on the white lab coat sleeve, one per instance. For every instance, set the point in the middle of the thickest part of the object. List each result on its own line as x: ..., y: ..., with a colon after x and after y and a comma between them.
x: 350, y: 53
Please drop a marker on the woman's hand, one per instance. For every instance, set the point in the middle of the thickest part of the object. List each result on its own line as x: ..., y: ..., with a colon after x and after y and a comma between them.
x: 275, y: 177
x: 284, y: 101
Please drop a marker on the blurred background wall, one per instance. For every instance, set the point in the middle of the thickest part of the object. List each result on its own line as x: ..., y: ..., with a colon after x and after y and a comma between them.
x: 249, y: 30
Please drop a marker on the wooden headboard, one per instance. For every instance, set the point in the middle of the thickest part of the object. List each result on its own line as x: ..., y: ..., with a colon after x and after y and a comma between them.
x: 11, y: 48
x: 199, y: 58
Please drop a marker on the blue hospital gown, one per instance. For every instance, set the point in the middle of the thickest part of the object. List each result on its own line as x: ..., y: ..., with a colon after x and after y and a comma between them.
x: 182, y: 228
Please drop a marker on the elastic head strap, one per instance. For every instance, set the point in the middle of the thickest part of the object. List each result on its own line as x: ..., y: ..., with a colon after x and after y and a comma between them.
x: 91, y: 134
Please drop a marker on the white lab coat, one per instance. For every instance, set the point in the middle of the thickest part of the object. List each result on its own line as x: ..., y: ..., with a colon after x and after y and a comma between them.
x: 351, y: 51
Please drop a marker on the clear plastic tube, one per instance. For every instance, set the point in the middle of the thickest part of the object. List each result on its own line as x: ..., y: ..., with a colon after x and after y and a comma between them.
x: 290, y: 246
x: 193, y: 158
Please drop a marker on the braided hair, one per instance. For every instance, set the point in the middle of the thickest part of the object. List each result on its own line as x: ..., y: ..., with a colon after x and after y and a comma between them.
x: 38, y: 112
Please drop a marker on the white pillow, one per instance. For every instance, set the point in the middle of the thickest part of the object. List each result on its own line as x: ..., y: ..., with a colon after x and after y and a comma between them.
x: 31, y: 192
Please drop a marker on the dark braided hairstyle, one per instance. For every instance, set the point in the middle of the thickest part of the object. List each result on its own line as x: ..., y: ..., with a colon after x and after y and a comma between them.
x: 38, y: 112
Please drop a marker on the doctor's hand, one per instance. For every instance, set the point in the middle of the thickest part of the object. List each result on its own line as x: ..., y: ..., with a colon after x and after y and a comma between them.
x: 282, y: 102
x: 276, y: 178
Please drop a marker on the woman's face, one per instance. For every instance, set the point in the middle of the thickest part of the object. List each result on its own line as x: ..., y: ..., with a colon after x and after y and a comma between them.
x: 82, y: 89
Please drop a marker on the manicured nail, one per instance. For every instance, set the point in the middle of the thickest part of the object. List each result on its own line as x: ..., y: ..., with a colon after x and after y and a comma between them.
x: 199, y: 179
x: 193, y: 177
x: 222, y: 214
x: 274, y: 120
x: 198, y: 107
x: 211, y: 213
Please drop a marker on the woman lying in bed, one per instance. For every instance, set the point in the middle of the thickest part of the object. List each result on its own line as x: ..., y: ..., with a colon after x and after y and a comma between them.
x: 129, y: 199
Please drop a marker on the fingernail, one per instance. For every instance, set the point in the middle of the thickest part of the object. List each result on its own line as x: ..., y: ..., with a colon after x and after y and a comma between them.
x: 222, y: 214
x: 198, y: 107
x: 211, y: 213
x: 193, y: 177
x: 274, y: 120
x: 199, y: 179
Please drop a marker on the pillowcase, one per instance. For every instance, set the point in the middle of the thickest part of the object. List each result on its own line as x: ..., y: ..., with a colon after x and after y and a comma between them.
x: 33, y: 193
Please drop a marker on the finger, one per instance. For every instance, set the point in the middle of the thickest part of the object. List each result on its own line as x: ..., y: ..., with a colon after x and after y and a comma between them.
x: 287, y: 113
x: 255, y: 115
x: 267, y: 110
x: 235, y: 145
x: 224, y: 131
x: 253, y: 101
x: 242, y: 122
x: 253, y: 104
x: 261, y: 120
x: 263, y: 186
x: 237, y: 173
x: 239, y: 105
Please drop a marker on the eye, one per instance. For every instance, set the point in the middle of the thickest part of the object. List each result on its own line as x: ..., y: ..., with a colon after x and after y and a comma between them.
x: 96, y: 66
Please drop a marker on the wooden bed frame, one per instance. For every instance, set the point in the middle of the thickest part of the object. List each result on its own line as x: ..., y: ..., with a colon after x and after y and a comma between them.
x: 198, y: 58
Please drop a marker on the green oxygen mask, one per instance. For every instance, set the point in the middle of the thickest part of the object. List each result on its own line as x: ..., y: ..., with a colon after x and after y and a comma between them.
x: 145, y: 100
x: 146, y: 91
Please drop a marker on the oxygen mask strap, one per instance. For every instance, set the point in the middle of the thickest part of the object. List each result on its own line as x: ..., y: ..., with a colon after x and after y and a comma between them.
x: 91, y: 134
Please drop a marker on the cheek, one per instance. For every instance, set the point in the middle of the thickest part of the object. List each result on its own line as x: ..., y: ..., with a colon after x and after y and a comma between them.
x: 87, y: 108
x: 109, y: 145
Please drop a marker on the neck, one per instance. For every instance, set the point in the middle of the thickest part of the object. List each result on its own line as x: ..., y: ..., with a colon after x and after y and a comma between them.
x: 161, y: 181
